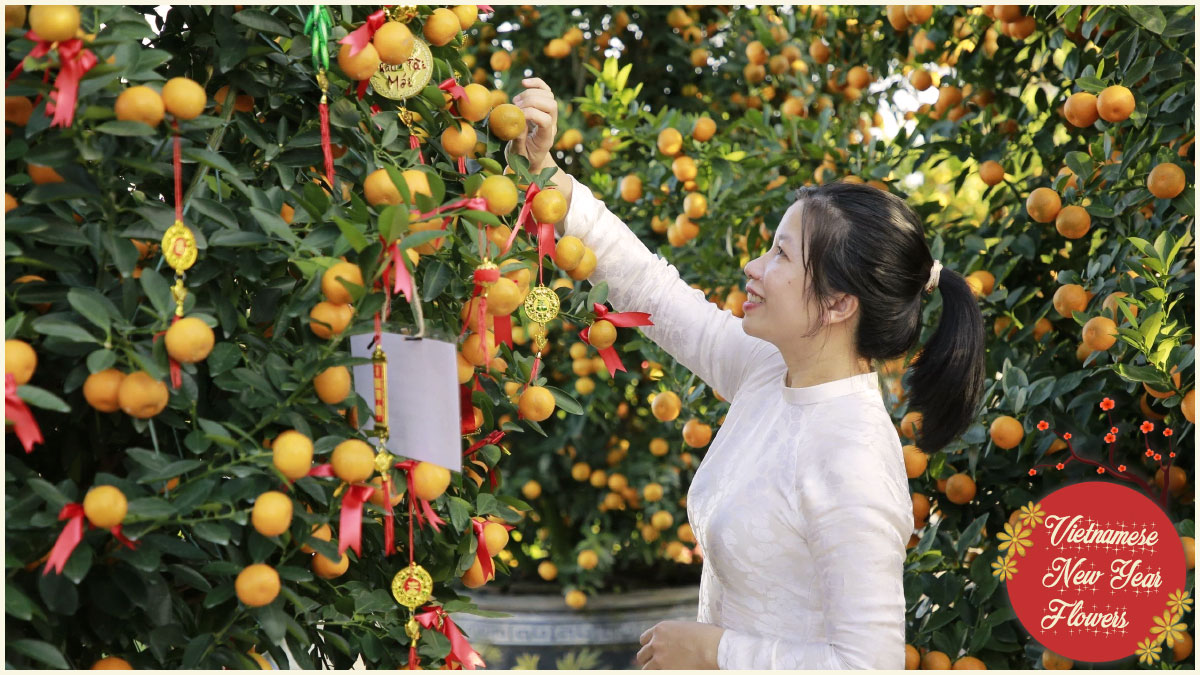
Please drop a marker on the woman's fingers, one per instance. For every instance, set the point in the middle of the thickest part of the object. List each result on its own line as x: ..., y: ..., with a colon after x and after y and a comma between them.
x: 535, y: 83
x: 538, y: 117
x: 535, y: 98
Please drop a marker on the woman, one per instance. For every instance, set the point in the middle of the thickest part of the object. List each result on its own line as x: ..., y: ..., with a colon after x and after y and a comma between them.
x: 801, y: 504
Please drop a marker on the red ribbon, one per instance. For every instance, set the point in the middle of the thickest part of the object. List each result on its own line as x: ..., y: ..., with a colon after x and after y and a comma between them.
x: 621, y: 320
x: 321, y: 471
x: 415, y: 504
x: 362, y: 88
x: 503, y: 332
x: 326, y: 147
x: 466, y: 409
x: 486, y: 9
x: 359, y: 38
x: 72, y: 534
x: 474, y: 204
x: 455, y: 90
x: 491, y: 439
x: 116, y: 532
x: 462, y: 165
x: 74, y: 61
x: 436, y: 618
x: 532, y: 377
x: 70, y: 537
x: 481, y: 552
x: 398, y: 269
x: 544, y: 232
x: 40, y: 48
x: 15, y: 409
x: 350, y: 534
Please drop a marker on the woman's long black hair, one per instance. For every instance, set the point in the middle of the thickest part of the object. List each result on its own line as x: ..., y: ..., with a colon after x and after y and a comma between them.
x: 868, y: 243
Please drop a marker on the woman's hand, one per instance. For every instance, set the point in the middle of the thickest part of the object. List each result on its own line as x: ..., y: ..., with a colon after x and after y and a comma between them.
x: 680, y: 645
x: 541, y: 115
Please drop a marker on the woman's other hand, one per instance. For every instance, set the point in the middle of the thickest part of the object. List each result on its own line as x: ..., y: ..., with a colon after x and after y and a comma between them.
x: 679, y: 645
x: 541, y: 116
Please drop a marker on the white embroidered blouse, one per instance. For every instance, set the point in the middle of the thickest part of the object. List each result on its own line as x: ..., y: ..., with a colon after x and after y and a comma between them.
x: 801, y: 504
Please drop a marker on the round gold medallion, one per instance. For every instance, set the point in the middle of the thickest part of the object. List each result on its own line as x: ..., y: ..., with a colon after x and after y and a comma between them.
x: 412, y: 586
x: 541, y: 305
x: 407, y: 79
x: 179, y: 247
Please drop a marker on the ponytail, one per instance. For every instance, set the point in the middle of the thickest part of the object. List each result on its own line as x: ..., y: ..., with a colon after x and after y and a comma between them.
x: 947, y: 377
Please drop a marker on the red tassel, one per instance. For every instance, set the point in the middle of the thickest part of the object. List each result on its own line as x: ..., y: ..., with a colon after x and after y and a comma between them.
x: 466, y: 409
x: 462, y: 165
x: 416, y: 145
x: 326, y: 148
x: 15, y: 409
x: 362, y: 88
x: 413, y: 662
x: 177, y: 165
x: 389, y: 520
x: 176, y: 370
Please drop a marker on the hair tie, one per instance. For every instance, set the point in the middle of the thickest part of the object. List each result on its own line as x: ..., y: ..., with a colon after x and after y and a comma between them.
x: 935, y: 274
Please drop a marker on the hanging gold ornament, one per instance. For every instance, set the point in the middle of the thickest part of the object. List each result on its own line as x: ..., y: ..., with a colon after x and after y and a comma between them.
x: 541, y: 306
x: 379, y: 371
x: 179, y: 250
x: 412, y: 587
x: 405, y: 80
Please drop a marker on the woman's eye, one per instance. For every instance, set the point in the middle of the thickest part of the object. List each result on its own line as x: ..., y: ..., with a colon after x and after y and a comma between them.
x: 780, y: 250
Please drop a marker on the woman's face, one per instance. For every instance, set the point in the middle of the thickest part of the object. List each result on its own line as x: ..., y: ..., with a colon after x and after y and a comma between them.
x: 779, y: 309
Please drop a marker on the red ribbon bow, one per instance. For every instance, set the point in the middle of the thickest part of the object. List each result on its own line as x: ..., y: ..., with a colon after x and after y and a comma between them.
x: 420, y: 506
x: 461, y: 652
x: 71, y: 535
x: 360, y: 36
x: 543, y: 232
x: 350, y: 534
x: 621, y: 320
x: 74, y: 62
x: 22, y: 417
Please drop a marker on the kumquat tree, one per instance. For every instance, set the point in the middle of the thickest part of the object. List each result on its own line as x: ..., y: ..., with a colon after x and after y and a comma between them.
x: 205, y: 204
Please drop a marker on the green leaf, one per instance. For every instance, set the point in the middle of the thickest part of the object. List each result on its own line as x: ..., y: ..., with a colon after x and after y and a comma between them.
x: 598, y: 295
x: 42, y: 652
x: 91, y: 305
x: 969, y: 535
x: 262, y: 22
x: 565, y: 401
x: 210, y: 159
x: 126, y: 128
x: 354, y: 237
x: 101, y: 359
x: 274, y: 225
x: 1149, y: 16
x: 40, y: 398
x: 48, y: 325
x: 16, y: 603
x: 158, y: 292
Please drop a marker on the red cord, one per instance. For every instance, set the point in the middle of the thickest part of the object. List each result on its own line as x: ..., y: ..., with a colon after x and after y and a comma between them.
x: 178, y: 161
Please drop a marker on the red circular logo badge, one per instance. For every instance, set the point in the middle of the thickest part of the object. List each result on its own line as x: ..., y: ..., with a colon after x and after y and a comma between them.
x: 1095, y: 572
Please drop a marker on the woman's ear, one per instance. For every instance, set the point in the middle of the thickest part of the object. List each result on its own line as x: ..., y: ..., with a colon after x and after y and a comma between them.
x: 843, y: 309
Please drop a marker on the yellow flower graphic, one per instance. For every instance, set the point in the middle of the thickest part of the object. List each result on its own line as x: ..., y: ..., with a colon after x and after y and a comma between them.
x: 1032, y: 515
x: 1168, y: 627
x: 1015, y: 537
x: 1148, y: 651
x: 1179, y: 602
x: 1005, y: 568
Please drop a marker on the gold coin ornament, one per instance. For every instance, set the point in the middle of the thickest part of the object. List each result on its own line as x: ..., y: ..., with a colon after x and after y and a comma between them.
x: 412, y: 586
x: 383, y: 461
x: 179, y: 247
x: 405, y: 80
x: 541, y: 305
